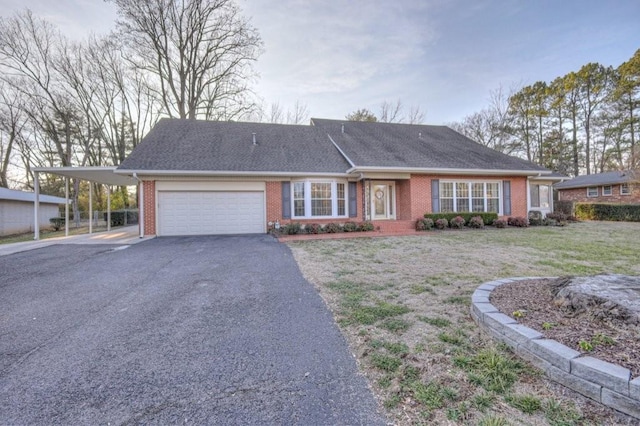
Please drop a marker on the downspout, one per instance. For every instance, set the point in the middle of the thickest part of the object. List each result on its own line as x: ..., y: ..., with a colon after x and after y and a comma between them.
x: 140, y: 204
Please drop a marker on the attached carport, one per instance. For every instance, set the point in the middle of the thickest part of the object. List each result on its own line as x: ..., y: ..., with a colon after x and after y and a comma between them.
x: 100, y: 175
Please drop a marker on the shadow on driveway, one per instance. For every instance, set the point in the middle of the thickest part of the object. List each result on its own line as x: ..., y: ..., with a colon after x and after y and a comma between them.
x: 205, y: 330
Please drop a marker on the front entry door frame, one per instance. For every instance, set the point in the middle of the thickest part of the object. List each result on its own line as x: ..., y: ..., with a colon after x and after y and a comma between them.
x: 383, y: 200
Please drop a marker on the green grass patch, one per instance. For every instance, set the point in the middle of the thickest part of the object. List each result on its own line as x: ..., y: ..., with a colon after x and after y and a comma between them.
x: 392, y: 402
x: 419, y: 289
x: 528, y: 404
x: 395, y: 325
x: 432, y: 395
x: 458, y: 413
x: 559, y: 415
x: 493, y: 370
x: 493, y: 421
x: 435, y: 321
x: 457, y: 338
x: 458, y: 300
x: 371, y: 314
x: 386, y: 363
x: 483, y: 401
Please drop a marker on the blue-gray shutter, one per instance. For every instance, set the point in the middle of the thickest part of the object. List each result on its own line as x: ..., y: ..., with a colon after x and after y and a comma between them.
x: 435, y: 195
x: 506, y: 197
x: 353, y: 199
x: 286, y: 200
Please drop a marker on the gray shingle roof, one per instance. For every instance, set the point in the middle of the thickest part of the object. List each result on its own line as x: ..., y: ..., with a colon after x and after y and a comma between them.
x: 607, y: 178
x: 216, y: 146
x: 416, y: 146
x: 194, y: 145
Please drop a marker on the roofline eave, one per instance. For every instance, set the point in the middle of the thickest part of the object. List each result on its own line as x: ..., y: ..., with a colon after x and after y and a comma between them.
x: 450, y: 171
x: 223, y: 173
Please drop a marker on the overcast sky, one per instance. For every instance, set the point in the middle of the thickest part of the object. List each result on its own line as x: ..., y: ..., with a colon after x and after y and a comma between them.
x: 444, y: 56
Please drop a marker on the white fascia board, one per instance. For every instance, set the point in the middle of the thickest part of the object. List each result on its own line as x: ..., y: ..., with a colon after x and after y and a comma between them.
x: 205, y: 173
x: 444, y: 171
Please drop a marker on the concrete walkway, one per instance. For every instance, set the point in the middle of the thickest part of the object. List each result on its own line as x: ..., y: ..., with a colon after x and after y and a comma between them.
x: 122, y: 236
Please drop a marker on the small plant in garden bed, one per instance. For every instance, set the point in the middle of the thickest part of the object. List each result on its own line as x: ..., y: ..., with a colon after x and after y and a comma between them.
x: 313, y: 228
x: 332, y: 228
x: 476, y: 222
x: 518, y: 221
x: 366, y: 226
x: 528, y: 404
x: 500, y: 223
x: 424, y: 224
x: 442, y: 223
x: 457, y: 222
x: 350, y: 227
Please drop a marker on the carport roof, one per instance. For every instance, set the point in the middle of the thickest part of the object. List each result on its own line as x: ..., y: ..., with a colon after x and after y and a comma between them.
x: 104, y: 175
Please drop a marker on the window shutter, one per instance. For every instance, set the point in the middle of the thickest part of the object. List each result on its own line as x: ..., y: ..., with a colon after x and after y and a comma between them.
x: 353, y: 199
x: 506, y: 197
x: 435, y: 195
x: 286, y: 200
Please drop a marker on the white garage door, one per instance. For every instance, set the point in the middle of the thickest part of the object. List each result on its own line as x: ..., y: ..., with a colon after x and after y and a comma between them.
x: 210, y: 212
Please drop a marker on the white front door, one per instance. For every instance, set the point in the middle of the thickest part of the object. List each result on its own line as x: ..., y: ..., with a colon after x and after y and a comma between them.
x: 383, y: 201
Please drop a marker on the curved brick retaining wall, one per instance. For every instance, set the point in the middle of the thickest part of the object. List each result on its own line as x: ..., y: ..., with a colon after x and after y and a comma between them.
x: 601, y: 381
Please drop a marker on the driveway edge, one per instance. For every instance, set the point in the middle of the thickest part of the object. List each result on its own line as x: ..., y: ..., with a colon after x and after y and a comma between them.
x: 604, y: 382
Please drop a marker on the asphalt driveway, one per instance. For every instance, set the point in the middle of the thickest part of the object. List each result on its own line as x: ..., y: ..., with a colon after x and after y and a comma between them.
x: 198, y: 330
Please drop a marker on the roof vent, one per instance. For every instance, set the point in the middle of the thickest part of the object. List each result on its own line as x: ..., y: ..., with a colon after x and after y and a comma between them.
x: 254, y: 139
x: 342, y: 127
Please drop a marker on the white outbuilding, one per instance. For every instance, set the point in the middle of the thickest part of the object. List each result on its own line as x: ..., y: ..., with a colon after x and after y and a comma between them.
x: 17, y: 212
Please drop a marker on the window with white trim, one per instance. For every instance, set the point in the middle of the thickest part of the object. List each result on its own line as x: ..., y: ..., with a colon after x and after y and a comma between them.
x: 469, y: 196
x: 539, y: 196
x: 625, y: 189
x: 319, y: 199
x: 592, y: 191
x: 607, y: 190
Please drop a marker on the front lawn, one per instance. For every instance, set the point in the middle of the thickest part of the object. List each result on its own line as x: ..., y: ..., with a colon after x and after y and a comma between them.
x: 403, y: 305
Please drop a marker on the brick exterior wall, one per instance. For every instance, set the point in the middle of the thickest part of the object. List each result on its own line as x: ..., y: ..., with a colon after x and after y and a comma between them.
x: 274, y: 207
x: 579, y: 195
x: 518, y: 196
x: 413, y: 200
x: 149, y: 207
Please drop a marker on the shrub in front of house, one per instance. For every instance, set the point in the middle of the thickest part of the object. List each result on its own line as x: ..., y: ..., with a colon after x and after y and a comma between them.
x: 562, y: 206
x: 535, y: 218
x: 332, y: 228
x: 558, y: 216
x: 608, y: 212
x: 500, y: 223
x: 518, y: 221
x: 425, y: 224
x: 457, y: 222
x: 292, y: 228
x: 366, y: 226
x: 487, y: 218
x: 442, y: 223
x: 350, y: 227
x: 313, y: 228
x: 476, y: 222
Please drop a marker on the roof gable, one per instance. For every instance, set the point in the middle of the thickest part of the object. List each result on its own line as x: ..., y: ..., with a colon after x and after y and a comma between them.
x: 393, y: 145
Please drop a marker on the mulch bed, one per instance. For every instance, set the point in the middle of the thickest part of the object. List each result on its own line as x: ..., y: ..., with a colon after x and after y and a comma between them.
x: 534, y: 299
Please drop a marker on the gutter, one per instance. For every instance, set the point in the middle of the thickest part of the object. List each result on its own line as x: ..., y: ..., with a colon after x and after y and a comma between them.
x: 491, y: 172
x: 205, y: 173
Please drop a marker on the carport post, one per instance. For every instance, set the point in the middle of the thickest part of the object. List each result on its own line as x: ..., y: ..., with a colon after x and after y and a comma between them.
x: 90, y: 208
x: 66, y: 207
x: 36, y: 206
x: 109, y: 208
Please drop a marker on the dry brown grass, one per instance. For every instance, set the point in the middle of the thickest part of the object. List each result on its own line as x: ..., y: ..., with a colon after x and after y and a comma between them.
x: 433, y: 275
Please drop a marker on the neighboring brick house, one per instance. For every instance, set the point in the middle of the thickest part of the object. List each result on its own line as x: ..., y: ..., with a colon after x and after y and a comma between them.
x: 205, y: 177
x: 610, y: 187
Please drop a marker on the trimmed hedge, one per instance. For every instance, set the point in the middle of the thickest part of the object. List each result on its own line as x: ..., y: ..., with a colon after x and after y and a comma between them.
x: 608, y: 212
x: 487, y: 218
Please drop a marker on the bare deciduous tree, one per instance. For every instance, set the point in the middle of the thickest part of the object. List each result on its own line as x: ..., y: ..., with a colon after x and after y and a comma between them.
x: 200, y: 53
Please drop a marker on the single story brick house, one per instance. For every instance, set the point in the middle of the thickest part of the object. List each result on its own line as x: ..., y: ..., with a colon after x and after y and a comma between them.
x: 16, y: 211
x: 206, y: 177
x: 610, y: 187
